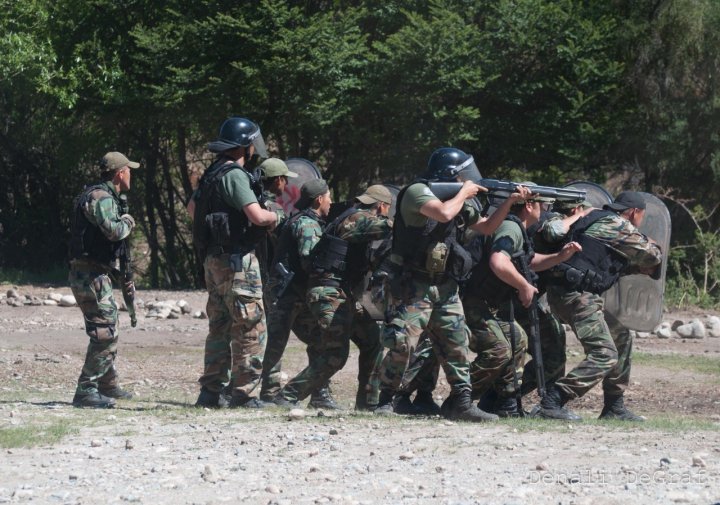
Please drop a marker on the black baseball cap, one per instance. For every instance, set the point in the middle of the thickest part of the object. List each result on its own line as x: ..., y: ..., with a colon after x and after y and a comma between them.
x: 627, y: 200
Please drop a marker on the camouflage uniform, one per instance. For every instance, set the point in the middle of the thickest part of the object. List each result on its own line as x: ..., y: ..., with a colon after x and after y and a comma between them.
x: 607, y: 351
x: 92, y: 287
x: 425, y: 301
x: 235, y: 308
x: 333, y: 307
x: 291, y: 310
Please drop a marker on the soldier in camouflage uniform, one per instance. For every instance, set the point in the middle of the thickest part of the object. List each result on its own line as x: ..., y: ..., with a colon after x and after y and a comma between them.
x: 290, y: 310
x: 229, y: 221
x: 612, y: 246
x: 97, y: 233
x: 493, y: 293
x: 426, y: 263
x: 340, y: 263
x: 551, y: 330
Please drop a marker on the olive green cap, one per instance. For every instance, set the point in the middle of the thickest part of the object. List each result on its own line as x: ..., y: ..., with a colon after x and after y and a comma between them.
x: 115, y: 161
x: 275, y: 167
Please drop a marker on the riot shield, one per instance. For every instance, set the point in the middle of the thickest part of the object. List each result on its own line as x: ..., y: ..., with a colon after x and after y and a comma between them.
x: 306, y: 171
x: 596, y: 194
x: 368, y: 299
x: 636, y: 301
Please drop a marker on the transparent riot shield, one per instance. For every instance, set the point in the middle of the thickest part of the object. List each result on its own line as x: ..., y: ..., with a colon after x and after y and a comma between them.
x: 636, y: 301
x: 306, y: 171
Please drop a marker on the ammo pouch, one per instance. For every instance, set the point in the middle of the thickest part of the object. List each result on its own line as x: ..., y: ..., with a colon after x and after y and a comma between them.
x: 331, y: 252
x: 218, y: 224
x: 436, y: 258
x: 460, y: 262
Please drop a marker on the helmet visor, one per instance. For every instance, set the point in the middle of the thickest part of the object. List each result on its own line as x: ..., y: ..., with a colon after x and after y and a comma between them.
x: 257, y: 140
x: 466, y: 171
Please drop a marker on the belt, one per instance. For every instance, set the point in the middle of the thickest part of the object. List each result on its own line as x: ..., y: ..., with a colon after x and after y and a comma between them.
x: 216, y: 250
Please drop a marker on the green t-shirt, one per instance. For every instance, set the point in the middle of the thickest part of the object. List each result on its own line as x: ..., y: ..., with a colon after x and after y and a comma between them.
x: 419, y: 194
x: 507, y: 239
x: 235, y: 189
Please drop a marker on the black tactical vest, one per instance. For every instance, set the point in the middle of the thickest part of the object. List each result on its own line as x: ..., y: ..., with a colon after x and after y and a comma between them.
x: 218, y: 227
x: 87, y: 240
x: 483, y: 281
x: 594, y: 269
x: 336, y: 256
x: 413, y: 242
x: 287, y: 247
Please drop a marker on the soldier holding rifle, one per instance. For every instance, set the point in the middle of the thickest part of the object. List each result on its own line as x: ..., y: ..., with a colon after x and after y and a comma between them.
x: 99, y: 232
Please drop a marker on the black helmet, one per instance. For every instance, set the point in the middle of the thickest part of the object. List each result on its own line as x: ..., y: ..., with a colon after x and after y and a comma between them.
x: 449, y: 163
x: 239, y: 132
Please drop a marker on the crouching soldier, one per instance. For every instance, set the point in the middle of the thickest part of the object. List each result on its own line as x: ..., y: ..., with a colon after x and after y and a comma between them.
x: 340, y: 263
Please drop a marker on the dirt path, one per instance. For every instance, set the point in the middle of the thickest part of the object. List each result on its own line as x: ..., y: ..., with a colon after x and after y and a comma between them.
x: 156, y: 449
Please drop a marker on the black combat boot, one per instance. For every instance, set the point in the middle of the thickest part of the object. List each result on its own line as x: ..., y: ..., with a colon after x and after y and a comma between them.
x: 404, y: 406
x: 488, y: 400
x: 385, y: 403
x: 322, y: 399
x: 92, y: 400
x: 248, y: 402
x: 506, y: 407
x: 615, y: 409
x: 425, y: 404
x: 461, y: 408
x: 211, y: 399
x: 116, y: 392
x: 551, y: 406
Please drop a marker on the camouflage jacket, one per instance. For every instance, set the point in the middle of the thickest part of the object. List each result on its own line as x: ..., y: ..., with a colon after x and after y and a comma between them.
x: 102, y: 211
x: 358, y: 229
x: 618, y: 233
x: 306, y: 233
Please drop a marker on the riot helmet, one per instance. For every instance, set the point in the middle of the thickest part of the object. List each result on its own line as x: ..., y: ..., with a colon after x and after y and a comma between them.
x: 451, y: 164
x: 239, y: 132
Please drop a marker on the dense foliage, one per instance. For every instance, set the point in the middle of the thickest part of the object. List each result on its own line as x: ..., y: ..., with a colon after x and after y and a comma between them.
x: 622, y: 92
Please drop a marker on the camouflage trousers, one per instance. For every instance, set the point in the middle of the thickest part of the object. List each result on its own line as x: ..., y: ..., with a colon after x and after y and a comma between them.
x: 492, y: 332
x: 434, y: 307
x: 94, y: 295
x: 423, y: 368
x: 365, y: 333
x: 607, y: 350
x: 334, y: 312
x: 290, y: 313
x: 552, y: 346
x: 237, y: 335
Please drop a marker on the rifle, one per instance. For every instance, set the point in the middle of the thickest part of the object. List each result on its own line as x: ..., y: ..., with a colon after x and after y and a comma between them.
x: 534, y: 327
x: 447, y: 190
x: 286, y: 277
x: 126, y: 269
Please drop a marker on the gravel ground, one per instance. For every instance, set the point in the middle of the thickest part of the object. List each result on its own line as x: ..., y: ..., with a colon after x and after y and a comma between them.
x: 157, y: 449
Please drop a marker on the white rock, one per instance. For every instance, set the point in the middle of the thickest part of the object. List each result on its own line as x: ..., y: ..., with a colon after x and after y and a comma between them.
x: 296, y: 414
x: 694, y: 329
x: 200, y: 314
x: 12, y: 293
x: 272, y: 489
x: 95, y: 443
x: 54, y: 296
x: 50, y: 302
x: 182, y: 303
x: 542, y: 466
x: 697, y: 460
x: 665, y: 332
x: 642, y: 334
x: 67, y: 301
x: 208, y: 474
x: 408, y: 455
x: 713, y: 326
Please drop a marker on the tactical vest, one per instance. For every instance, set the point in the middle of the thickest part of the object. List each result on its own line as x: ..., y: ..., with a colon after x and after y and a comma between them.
x: 483, y: 281
x: 87, y: 240
x: 287, y: 247
x: 594, y: 269
x: 412, y: 243
x: 335, y: 256
x: 218, y: 227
